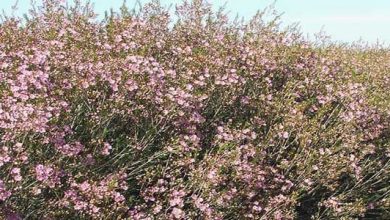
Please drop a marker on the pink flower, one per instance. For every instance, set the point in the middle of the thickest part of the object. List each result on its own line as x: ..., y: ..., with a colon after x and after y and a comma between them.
x: 118, y: 197
x: 106, y: 149
x: 70, y: 149
x: 42, y: 172
x: 15, y: 172
x: 175, y: 201
x: 85, y: 186
x: 157, y: 209
x: 4, y: 194
x: 212, y: 175
x: 177, y: 213
x: 47, y: 175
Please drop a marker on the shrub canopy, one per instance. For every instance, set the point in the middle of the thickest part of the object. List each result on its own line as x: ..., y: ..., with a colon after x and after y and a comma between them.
x: 147, y: 116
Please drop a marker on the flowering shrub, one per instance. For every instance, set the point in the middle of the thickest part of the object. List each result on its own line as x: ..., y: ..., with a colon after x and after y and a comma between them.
x: 142, y: 116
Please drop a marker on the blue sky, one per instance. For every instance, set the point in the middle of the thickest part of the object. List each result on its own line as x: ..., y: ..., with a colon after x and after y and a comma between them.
x: 343, y: 20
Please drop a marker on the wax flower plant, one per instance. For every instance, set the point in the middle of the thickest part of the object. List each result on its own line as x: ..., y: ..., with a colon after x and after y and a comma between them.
x: 183, y: 113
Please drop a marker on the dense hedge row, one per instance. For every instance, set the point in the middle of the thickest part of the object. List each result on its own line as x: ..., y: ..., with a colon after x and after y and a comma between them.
x: 141, y: 116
